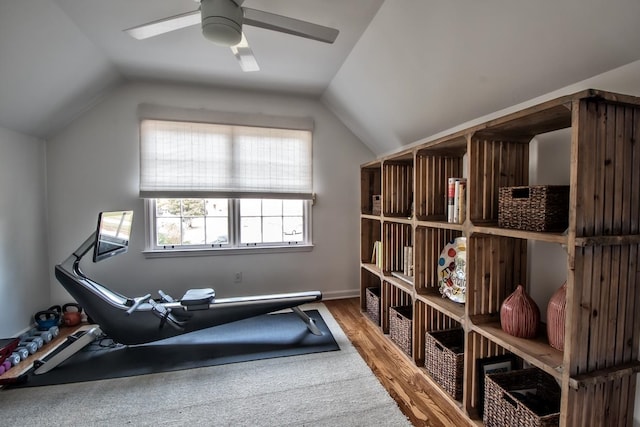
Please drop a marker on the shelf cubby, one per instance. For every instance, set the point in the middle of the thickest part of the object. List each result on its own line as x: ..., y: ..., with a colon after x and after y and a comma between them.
x: 477, y: 347
x: 370, y: 232
x: 370, y: 186
x: 392, y: 296
x: 368, y: 279
x: 397, y: 186
x: 427, y: 318
x: 493, y: 164
x: 495, y: 266
x: 395, y: 237
x: 433, y: 168
x: 429, y: 243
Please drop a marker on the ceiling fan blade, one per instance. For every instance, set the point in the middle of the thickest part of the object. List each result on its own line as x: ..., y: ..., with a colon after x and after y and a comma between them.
x: 284, y: 24
x: 165, y: 25
x: 244, y: 55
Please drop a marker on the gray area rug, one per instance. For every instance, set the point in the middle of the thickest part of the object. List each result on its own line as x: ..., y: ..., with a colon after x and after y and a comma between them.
x: 322, y: 389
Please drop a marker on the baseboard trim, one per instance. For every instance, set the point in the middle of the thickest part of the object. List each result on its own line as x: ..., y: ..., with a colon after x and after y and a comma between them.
x: 349, y: 293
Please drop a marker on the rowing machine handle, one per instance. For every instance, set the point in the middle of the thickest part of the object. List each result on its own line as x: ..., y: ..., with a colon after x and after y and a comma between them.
x: 137, y: 302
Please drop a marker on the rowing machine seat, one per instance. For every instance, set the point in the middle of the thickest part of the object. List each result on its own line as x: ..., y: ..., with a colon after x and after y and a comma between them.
x: 195, y: 299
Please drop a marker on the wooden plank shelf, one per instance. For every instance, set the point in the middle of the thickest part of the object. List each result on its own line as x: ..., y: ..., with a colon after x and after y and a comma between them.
x: 370, y: 216
x: 444, y: 305
x: 549, y: 237
x: 444, y: 225
x: 398, y: 219
x: 603, y: 375
x: 372, y: 268
x: 401, y: 276
x: 401, y: 283
x: 629, y: 239
x: 536, y: 351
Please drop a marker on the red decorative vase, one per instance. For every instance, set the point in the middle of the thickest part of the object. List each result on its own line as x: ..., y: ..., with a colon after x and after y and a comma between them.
x: 556, y: 315
x: 519, y: 314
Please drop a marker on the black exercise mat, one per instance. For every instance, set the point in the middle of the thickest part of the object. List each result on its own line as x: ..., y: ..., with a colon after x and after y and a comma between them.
x: 261, y: 337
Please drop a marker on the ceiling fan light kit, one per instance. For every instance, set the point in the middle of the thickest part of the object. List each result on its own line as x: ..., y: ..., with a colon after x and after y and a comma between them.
x: 221, y: 22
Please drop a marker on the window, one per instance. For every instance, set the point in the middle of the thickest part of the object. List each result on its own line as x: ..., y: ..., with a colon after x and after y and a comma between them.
x: 227, y: 223
x: 212, y: 187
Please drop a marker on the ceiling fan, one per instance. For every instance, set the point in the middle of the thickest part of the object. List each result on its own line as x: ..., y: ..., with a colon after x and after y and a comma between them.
x: 222, y: 22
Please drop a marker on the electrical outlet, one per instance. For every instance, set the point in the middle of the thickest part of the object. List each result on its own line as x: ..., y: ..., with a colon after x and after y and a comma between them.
x: 237, y: 278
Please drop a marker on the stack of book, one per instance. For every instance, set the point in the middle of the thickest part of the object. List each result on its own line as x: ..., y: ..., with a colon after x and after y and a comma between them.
x: 456, y: 200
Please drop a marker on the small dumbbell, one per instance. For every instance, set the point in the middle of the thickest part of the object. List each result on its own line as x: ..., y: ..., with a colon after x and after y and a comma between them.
x: 46, y: 336
x: 14, y: 358
x: 30, y: 346
x: 36, y: 339
x: 7, y: 365
x: 54, y: 331
x: 22, y: 353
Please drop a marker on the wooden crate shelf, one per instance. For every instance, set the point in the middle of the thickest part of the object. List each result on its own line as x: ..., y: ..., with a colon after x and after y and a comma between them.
x: 598, y: 368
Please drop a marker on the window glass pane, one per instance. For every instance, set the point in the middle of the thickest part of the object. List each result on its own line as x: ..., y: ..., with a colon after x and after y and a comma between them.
x: 217, y: 207
x: 271, y: 207
x: 250, y: 230
x: 292, y: 207
x: 192, y: 207
x: 272, y: 229
x: 250, y: 207
x: 168, y: 207
x: 168, y: 231
x: 217, y: 230
x: 292, y: 229
x: 193, y: 231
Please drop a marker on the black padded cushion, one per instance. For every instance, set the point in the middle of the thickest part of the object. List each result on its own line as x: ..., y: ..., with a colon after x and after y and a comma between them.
x: 198, y: 296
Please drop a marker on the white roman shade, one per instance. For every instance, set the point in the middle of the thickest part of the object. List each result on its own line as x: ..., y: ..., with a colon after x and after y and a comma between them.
x: 180, y: 159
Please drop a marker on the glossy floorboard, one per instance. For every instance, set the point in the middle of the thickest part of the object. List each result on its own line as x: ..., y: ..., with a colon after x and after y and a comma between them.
x: 397, y: 373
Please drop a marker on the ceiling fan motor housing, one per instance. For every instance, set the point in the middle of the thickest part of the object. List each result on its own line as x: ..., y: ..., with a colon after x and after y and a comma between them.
x: 221, y: 21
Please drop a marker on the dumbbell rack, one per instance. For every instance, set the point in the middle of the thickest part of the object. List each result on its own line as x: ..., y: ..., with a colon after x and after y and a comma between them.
x: 13, y: 374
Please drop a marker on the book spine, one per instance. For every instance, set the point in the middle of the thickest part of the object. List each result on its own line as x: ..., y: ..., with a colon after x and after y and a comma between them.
x: 456, y: 202
x: 451, y: 191
x: 462, y: 200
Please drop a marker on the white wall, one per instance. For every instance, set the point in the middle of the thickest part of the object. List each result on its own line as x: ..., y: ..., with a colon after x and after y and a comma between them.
x: 24, y: 286
x: 94, y: 164
x: 550, y: 160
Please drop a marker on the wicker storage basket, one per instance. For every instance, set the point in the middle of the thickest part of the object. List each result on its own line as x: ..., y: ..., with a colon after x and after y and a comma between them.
x: 444, y: 359
x: 400, y: 327
x: 373, y: 304
x: 504, y: 404
x: 536, y: 208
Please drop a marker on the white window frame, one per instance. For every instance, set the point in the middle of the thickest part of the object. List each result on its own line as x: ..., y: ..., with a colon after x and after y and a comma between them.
x: 152, y: 250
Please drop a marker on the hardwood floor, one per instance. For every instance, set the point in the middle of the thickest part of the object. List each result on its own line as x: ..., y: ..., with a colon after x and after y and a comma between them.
x: 417, y: 399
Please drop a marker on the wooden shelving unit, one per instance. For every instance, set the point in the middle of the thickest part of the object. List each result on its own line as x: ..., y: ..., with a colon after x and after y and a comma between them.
x: 598, y: 367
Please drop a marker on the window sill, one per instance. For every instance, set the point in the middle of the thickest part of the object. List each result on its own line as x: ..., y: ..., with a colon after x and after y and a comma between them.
x: 177, y: 253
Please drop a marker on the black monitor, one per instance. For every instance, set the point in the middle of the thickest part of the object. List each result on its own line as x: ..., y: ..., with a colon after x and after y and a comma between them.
x: 112, y: 236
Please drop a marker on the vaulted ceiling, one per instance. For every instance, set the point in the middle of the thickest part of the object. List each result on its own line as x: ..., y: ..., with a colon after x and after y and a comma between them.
x: 399, y: 71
